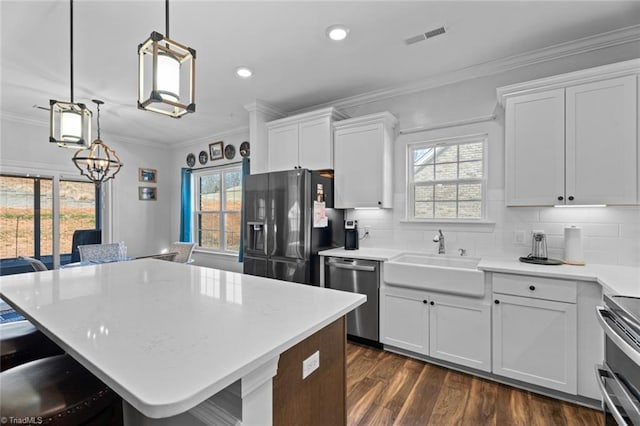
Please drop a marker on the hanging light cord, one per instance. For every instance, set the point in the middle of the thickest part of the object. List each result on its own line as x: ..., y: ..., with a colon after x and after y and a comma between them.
x: 166, y: 16
x: 98, y: 121
x: 71, y: 44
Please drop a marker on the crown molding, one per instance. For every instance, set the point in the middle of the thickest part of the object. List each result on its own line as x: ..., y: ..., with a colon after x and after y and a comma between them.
x: 207, y: 139
x: 583, y: 45
x: 265, y: 108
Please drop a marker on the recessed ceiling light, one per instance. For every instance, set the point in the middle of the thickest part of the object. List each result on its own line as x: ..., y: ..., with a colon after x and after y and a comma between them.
x: 244, y: 72
x: 337, y: 32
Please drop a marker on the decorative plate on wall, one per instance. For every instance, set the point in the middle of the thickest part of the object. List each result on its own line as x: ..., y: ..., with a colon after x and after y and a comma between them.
x: 229, y: 152
x: 191, y: 160
x: 203, y: 157
x: 244, y: 149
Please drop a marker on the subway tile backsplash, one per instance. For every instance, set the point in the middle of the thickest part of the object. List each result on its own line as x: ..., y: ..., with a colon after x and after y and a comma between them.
x: 610, y: 235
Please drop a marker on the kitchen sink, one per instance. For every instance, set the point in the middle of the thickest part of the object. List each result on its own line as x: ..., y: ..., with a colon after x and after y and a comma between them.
x: 444, y: 274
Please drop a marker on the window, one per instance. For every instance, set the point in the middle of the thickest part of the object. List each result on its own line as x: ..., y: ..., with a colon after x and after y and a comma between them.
x: 446, y: 179
x: 218, y: 202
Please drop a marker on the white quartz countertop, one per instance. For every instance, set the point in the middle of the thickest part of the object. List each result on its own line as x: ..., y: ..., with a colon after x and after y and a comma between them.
x: 167, y: 336
x: 365, y: 253
x: 615, y: 279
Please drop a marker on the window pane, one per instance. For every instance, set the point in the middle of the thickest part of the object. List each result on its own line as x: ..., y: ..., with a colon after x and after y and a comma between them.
x: 447, y: 171
x: 16, y: 217
x: 445, y: 209
x: 446, y: 192
x: 471, y: 170
x: 232, y: 231
x: 423, y: 173
x: 423, y: 193
x: 210, y: 192
x: 209, y: 230
x: 77, y: 210
x: 470, y: 191
x: 423, y: 156
x: 233, y: 190
x: 423, y: 210
x: 447, y: 154
x: 471, y: 151
x: 46, y: 217
x: 470, y: 209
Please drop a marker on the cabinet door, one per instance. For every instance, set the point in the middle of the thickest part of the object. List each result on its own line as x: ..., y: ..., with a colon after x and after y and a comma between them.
x: 405, y: 322
x: 601, y: 142
x: 460, y: 332
x: 534, y: 149
x: 535, y: 341
x: 358, y: 166
x: 283, y: 148
x: 315, y: 144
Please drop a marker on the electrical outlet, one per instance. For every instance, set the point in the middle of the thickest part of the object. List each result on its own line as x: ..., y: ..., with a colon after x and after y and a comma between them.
x: 310, y: 364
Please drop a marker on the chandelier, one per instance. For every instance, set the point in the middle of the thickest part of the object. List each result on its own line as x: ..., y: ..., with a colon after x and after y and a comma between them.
x: 166, y: 74
x: 98, y: 162
x: 69, y: 122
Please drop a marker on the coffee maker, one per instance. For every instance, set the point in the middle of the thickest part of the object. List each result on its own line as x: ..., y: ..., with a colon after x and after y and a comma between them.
x: 351, y: 235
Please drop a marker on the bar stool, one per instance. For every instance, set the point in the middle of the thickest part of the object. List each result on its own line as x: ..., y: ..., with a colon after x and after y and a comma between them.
x: 59, y: 391
x: 21, y: 342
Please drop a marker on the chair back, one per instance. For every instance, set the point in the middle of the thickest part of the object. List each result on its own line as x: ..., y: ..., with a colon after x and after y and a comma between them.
x: 183, y: 250
x: 83, y: 237
x: 35, y: 263
x: 97, y: 252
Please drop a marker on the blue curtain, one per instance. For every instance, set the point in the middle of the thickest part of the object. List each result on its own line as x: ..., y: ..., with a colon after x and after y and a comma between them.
x: 246, y: 168
x: 185, y: 209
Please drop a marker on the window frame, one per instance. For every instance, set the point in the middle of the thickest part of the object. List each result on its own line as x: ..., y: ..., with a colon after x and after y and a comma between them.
x: 196, y: 175
x: 411, y: 184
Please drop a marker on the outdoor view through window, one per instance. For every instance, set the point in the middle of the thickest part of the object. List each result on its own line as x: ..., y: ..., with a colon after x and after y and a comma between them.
x: 26, y: 215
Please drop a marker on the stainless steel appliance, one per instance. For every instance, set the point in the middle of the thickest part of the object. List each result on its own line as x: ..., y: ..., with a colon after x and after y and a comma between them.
x: 281, y: 239
x: 538, y: 245
x: 357, y: 276
x: 619, y: 375
x: 351, y: 238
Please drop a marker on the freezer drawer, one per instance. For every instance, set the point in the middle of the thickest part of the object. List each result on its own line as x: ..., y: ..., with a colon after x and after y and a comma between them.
x: 363, y: 277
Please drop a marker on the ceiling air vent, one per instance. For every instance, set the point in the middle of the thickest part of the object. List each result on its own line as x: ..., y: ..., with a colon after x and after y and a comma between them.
x: 424, y: 36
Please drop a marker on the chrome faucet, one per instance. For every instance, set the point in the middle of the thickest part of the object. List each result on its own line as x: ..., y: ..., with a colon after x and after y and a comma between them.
x: 439, y: 238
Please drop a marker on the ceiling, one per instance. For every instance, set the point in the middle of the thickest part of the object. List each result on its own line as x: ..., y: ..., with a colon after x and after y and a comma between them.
x: 295, y: 65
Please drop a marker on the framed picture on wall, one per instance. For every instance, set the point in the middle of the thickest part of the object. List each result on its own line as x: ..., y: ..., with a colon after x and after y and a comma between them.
x: 147, y: 175
x: 216, y: 151
x: 147, y: 193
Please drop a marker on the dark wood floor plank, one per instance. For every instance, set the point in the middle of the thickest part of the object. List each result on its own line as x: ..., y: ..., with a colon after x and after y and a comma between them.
x: 362, y: 398
x: 481, y: 403
x: 423, y: 396
x: 546, y: 411
x: 581, y: 416
x: 512, y: 406
x: 398, y: 388
x: 451, y: 403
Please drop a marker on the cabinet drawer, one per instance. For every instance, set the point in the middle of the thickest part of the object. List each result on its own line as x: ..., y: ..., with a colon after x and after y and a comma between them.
x: 536, y: 287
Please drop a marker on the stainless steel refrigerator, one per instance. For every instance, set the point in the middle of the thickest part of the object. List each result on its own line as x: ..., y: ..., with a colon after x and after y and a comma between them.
x: 281, y: 238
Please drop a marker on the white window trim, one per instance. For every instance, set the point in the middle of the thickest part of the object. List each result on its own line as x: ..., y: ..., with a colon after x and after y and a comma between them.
x: 409, y: 184
x: 195, y: 175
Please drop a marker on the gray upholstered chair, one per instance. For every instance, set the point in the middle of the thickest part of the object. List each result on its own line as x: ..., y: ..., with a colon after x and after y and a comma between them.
x: 21, y: 342
x: 35, y: 263
x: 184, y: 250
x: 98, y: 252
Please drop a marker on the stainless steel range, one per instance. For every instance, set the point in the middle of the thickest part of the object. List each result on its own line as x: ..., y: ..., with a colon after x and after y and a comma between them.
x: 619, y: 375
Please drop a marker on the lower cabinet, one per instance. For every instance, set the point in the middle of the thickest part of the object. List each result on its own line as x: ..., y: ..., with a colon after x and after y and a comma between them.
x: 450, y: 328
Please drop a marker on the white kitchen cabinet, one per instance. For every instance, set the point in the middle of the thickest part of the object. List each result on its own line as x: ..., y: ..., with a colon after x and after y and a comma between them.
x: 535, y: 339
x: 572, y: 139
x: 404, y: 321
x: 363, y: 161
x: 302, y: 141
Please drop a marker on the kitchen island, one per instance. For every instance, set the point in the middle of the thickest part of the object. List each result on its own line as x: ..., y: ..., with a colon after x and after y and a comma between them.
x: 180, y: 344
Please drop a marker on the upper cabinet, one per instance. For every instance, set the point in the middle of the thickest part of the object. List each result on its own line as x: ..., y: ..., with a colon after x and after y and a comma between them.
x: 363, y: 161
x: 302, y: 141
x: 572, y: 139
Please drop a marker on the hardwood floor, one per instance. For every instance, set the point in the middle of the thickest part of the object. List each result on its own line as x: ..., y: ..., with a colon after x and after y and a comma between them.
x: 388, y: 389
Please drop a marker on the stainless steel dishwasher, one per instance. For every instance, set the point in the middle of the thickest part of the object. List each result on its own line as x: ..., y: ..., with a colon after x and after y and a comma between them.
x: 357, y: 276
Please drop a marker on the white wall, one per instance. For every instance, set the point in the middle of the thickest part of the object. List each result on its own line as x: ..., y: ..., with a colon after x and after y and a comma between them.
x: 178, y: 161
x: 142, y: 225
x: 610, y: 235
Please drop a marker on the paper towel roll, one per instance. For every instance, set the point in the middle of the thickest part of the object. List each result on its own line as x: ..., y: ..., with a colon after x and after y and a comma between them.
x: 573, y: 244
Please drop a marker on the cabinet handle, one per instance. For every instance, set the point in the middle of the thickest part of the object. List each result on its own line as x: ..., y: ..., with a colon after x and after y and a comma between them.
x: 560, y: 198
x: 570, y: 197
x: 424, y: 301
x: 497, y: 302
x: 379, y: 203
x: 532, y: 287
x: 432, y: 303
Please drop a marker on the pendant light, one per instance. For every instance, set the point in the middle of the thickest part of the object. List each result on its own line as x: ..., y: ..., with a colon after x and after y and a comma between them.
x: 98, y: 162
x: 69, y: 122
x: 166, y: 74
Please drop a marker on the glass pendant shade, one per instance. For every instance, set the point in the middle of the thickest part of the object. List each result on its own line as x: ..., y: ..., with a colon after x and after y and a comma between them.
x: 70, y: 124
x: 166, y: 69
